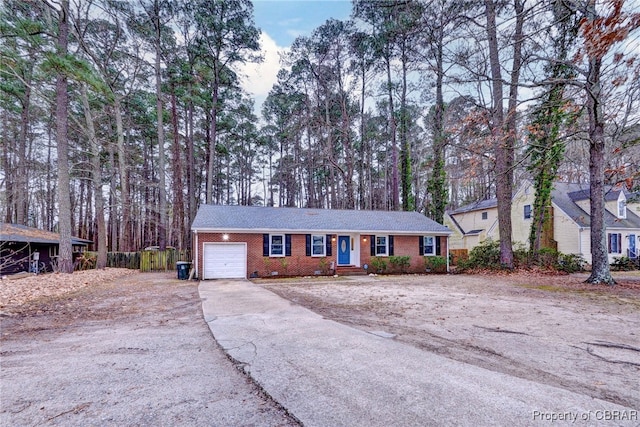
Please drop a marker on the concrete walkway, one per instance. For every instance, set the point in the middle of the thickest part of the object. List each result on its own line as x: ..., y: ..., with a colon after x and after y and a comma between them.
x: 328, y: 374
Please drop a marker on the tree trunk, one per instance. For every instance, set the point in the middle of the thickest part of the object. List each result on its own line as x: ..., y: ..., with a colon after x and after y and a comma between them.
x: 65, y: 258
x: 503, y: 153
x: 395, y: 191
x: 405, y: 155
x: 96, y: 176
x: 212, y: 143
x: 178, y: 205
x: 437, y: 186
x: 162, y: 190
x: 125, y: 229
x: 21, y: 188
x: 600, y: 271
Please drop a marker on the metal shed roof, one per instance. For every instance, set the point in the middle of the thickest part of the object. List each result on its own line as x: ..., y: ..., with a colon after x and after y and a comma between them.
x: 22, y: 233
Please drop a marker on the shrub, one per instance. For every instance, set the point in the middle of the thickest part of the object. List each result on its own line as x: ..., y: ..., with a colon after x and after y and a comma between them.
x: 435, y: 264
x: 623, y: 264
x: 570, y: 263
x: 485, y: 255
x: 400, y: 263
x: 379, y: 265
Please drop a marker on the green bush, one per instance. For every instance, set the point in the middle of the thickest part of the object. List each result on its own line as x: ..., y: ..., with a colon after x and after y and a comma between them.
x: 400, y: 263
x: 570, y: 263
x: 435, y: 264
x: 485, y: 255
x: 623, y: 264
x: 379, y: 265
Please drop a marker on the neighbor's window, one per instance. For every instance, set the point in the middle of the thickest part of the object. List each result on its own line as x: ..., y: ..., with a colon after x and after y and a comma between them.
x: 615, y: 243
x: 429, y: 245
x: 622, y: 208
x: 485, y: 215
x: 382, y: 245
x: 276, y: 245
x: 527, y: 211
x: 318, y: 245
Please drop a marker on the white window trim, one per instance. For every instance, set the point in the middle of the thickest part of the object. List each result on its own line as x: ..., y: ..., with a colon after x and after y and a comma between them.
x: 324, y: 245
x: 284, y: 249
x: 622, y: 209
x: 386, y: 246
x: 433, y: 245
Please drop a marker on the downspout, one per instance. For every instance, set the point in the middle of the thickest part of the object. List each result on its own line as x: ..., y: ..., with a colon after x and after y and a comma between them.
x: 196, y: 251
x: 447, y: 253
x: 580, y: 230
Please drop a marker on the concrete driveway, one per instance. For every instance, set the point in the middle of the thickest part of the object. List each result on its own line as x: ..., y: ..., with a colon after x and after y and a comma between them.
x: 134, y: 352
x: 328, y: 374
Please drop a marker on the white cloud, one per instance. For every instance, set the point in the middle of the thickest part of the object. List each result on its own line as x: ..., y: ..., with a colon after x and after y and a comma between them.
x: 260, y: 78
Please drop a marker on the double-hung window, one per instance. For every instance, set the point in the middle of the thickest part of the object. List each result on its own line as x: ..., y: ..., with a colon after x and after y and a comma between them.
x: 318, y: 245
x: 382, y: 246
x: 527, y: 211
x: 622, y: 209
x: 429, y: 245
x: 276, y: 245
x: 615, y: 243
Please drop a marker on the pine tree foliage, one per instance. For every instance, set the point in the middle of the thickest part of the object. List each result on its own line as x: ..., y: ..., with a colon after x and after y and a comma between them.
x: 394, y: 108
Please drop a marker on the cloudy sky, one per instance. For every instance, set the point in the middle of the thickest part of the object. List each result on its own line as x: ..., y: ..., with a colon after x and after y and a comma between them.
x: 281, y: 21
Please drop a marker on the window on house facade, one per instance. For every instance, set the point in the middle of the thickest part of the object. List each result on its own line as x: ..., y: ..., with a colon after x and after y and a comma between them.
x: 485, y: 215
x: 382, y: 245
x: 527, y: 211
x: 622, y: 208
x: 429, y: 245
x: 276, y: 245
x: 53, y: 251
x: 615, y: 243
x: 318, y: 245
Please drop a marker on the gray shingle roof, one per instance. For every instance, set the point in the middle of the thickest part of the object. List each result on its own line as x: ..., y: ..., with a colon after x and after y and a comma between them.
x: 262, y: 219
x: 476, y: 206
x: 566, y: 195
x: 22, y: 233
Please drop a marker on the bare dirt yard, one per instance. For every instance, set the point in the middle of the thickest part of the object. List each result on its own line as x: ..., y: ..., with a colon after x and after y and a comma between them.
x: 550, y: 329
x: 117, y: 347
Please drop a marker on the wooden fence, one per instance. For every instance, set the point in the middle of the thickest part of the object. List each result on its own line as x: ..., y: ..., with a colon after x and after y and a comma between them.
x: 457, y: 255
x: 145, y: 260
x: 162, y: 260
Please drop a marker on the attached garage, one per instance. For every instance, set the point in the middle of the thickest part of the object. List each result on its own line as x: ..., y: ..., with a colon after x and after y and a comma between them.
x: 225, y: 261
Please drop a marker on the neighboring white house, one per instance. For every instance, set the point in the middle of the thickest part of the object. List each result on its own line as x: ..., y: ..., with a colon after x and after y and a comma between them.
x: 476, y: 222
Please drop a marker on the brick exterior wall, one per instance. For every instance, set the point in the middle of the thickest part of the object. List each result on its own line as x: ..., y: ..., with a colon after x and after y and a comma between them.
x: 299, y: 264
x: 402, y: 245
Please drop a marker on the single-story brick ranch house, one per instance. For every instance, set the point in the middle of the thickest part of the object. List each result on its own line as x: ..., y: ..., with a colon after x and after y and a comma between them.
x: 254, y: 241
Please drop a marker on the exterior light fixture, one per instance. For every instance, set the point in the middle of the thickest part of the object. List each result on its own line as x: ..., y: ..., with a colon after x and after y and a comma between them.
x: 225, y: 237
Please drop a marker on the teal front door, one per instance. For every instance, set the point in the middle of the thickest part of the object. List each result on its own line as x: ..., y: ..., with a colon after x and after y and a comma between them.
x: 344, y: 250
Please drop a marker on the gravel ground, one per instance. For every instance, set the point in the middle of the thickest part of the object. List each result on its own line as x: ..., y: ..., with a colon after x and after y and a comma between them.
x: 129, y: 351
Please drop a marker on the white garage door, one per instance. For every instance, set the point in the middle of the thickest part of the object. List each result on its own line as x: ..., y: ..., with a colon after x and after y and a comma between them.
x: 225, y: 260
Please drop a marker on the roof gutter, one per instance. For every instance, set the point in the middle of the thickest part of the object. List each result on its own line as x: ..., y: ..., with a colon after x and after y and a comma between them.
x: 283, y: 230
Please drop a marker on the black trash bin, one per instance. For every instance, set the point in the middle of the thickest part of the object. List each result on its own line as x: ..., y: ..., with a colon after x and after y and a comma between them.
x: 183, y: 269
